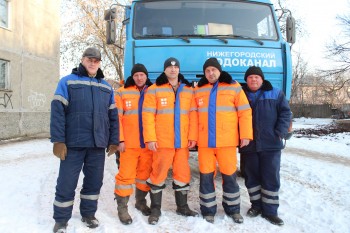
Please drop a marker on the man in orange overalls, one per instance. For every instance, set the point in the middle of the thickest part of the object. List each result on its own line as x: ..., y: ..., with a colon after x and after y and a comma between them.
x: 225, y: 121
x: 170, y: 129
x: 135, y: 159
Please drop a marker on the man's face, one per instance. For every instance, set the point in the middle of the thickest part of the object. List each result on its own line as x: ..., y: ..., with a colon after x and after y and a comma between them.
x: 212, y: 74
x: 140, y: 79
x: 172, y: 72
x: 91, y: 65
x: 254, y: 82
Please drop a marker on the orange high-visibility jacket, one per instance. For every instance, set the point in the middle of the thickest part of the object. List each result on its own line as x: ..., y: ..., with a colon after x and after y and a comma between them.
x: 169, y: 119
x: 224, y: 113
x: 129, y: 107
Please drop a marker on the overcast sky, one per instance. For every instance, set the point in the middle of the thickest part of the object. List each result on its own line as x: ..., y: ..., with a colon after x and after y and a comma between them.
x: 318, y: 18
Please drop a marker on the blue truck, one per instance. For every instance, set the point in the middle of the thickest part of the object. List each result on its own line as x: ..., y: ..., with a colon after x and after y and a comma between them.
x: 238, y: 33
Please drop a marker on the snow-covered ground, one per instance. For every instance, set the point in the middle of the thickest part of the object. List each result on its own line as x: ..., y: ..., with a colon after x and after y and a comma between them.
x: 314, y: 196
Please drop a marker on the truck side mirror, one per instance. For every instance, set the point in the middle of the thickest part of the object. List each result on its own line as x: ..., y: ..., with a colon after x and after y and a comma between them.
x: 110, y: 16
x: 290, y: 29
x: 110, y: 32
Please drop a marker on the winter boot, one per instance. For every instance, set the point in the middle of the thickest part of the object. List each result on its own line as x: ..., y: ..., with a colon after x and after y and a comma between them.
x: 182, y: 206
x: 90, y: 221
x: 156, y: 203
x: 237, y: 218
x: 274, y: 219
x: 60, y: 227
x: 141, y: 203
x: 123, y: 214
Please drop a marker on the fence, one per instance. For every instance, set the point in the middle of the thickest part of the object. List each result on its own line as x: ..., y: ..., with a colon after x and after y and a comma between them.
x: 321, y: 110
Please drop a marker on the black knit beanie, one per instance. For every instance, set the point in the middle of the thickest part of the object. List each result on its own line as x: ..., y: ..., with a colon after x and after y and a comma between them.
x: 254, y: 70
x: 212, y: 62
x: 139, y: 68
x: 171, y: 61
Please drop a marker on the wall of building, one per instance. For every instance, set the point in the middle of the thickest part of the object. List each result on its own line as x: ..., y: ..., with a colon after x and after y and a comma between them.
x: 31, y: 45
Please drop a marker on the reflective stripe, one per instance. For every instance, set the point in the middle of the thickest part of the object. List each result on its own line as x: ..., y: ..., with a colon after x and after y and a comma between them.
x: 61, y: 99
x: 202, y: 109
x: 235, y: 202
x: 112, y: 106
x: 255, y: 197
x: 63, y: 204
x: 130, y: 92
x: 208, y: 195
x: 202, y: 89
x: 159, y: 185
x: 165, y: 111
x: 208, y: 204
x: 89, y: 197
x: 140, y: 181
x: 243, y: 107
x: 231, y: 195
x: 186, y: 188
x: 120, y: 111
x: 164, y: 90
x: 156, y: 191
x: 254, y: 189
x: 230, y: 88
x: 151, y: 91
x: 193, y: 109
x: 270, y: 201
x: 179, y: 183
x: 270, y: 193
x: 88, y: 83
x: 131, y: 112
x: 187, y: 90
x: 184, y: 112
x: 225, y: 109
x: 123, y: 186
x: 150, y: 110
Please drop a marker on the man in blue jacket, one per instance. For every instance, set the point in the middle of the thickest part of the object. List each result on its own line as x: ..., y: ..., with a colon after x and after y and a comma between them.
x: 262, y: 157
x: 84, y: 122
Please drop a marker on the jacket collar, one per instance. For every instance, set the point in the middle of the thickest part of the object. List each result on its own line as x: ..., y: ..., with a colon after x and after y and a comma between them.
x: 224, y: 78
x: 130, y: 82
x: 266, y: 86
x: 81, y: 71
x: 162, y: 79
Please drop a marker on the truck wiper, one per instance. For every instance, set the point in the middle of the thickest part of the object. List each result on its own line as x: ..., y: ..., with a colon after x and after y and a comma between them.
x: 244, y: 37
x: 206, y: 36
x: 225, y: 37
x: 182, y: 37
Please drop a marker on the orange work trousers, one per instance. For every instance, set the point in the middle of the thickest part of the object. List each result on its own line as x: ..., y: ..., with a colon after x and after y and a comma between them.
x: 163, y: 159
x: 134, y: 164
x: 225, y: 156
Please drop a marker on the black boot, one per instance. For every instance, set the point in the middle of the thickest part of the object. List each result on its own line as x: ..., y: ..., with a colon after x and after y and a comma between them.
x: 182, y: 206
x: 123, y: 214
x: 141, y: 203
x: 274, y: 219
x: 156, y: 203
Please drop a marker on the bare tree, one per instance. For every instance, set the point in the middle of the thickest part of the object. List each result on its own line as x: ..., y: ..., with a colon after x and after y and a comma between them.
x: 339, y: 49
x: 86, y: 27
x: 300, y: 74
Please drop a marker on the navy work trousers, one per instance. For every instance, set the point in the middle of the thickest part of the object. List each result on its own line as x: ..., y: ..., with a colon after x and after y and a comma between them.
x: 91, y: 162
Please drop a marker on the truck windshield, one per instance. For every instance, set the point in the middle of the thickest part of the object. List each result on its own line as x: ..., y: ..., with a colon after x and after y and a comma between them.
x: 167, y: 19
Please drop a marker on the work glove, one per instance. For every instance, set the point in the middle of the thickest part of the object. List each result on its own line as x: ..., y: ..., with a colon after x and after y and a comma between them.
x: 111, y: 149
x: 288, y: 135
x: 60, y: 150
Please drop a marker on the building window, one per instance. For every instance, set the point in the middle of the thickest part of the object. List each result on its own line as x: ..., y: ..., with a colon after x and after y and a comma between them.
x: 4, y: 74
x: 4, y: 13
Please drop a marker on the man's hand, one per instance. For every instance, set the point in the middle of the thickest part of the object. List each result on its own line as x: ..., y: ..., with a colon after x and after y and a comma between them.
x: 152, y: 146
x: 60, y: 150
x: 191, y: 144
x: 111, y: 149
x: 244, y: 142
x: 121, y: 147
